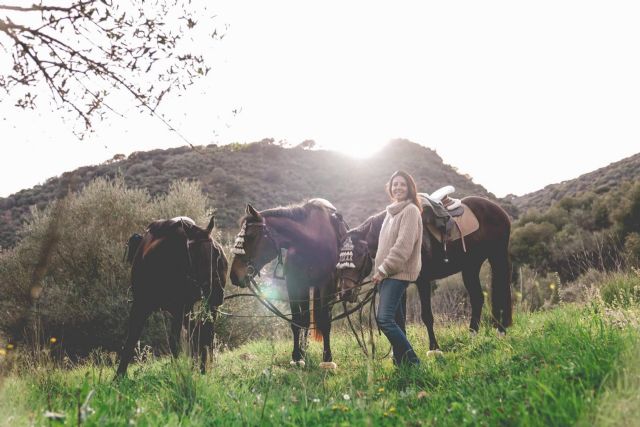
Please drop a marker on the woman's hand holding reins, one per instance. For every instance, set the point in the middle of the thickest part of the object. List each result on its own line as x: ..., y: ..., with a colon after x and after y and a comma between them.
x: 377, y: 278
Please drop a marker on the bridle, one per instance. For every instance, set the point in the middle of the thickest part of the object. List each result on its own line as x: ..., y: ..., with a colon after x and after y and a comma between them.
x: 191, y: 270
x: 238, y: 250
x: 362, y: 272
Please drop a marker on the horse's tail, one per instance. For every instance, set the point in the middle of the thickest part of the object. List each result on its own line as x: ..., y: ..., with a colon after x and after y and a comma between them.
x: 502, y: 305
x: 313, y: 314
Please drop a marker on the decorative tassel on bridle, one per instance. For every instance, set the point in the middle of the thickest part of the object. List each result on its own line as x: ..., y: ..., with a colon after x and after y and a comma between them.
x: 346, y: 255
x: 238, y: 246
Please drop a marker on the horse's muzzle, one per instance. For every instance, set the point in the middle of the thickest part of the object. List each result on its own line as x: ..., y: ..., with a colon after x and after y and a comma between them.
x: 349, y: 296
x: 236, y: 280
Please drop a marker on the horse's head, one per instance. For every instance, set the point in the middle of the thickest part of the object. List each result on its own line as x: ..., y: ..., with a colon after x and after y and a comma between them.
x: 354, y: 265
x: 206, y: 259
x: 254, y: 247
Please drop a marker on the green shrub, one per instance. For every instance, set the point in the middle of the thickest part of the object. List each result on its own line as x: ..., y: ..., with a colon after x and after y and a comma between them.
x: 632, y: 249
x: 67, y: 279
x: 622, y: 289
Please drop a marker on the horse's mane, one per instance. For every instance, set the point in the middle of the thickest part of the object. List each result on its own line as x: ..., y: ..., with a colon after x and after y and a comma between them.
x: 163, y: 227
x: 294, y: 212
x: 365, y: 227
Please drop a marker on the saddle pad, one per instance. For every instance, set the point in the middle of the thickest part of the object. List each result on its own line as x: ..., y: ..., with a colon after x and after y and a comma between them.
x: 467, y: 222
x: 323, y: 203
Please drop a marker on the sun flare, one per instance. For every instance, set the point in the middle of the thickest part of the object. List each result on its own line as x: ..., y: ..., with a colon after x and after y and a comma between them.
x: 355, y: 149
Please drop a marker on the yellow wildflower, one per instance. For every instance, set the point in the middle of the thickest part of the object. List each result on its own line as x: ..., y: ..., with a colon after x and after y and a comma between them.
x: 3, y: 351
x: 9, y: 346
x: 53, y: 340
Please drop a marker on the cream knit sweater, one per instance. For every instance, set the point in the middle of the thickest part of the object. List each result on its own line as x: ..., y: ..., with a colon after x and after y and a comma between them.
x: 398, y: 255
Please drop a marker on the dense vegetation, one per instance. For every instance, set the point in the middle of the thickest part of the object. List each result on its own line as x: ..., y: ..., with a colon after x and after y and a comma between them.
x: 263, y: 173
x: 592, y: 221
x: 579, y: 232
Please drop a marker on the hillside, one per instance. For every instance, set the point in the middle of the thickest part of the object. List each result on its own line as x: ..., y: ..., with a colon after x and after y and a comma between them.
x: 264, y: 174
x: 600, y: 181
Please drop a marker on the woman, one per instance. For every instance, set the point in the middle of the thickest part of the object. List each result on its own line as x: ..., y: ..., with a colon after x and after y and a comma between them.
x: 398, y: 261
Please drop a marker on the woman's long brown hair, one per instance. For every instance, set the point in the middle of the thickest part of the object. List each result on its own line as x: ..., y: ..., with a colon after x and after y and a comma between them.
x: 411, y: 187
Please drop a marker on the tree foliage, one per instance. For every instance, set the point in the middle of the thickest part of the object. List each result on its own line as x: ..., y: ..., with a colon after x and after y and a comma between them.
x: 67, y: 277
x: 580, y: 232
x: 81, y: 50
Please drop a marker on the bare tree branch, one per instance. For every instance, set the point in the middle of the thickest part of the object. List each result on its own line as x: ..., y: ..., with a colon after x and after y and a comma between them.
x: 82, y: 50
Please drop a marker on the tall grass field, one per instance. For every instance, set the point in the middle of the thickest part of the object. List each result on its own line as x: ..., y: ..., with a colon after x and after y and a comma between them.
x: 572, y: 365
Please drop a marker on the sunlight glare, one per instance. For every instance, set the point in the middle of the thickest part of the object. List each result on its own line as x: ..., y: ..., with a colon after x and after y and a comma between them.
x: 355, y: 149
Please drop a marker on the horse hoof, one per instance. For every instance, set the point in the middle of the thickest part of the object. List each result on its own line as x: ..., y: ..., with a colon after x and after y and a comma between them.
x: 436, y: 353
x: 473, y: 333
x: 328, y: 365
x: 501, y: 333
x: 298, y: 363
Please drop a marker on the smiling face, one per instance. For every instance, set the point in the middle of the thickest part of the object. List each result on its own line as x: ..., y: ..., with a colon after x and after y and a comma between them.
x: 399, y: 188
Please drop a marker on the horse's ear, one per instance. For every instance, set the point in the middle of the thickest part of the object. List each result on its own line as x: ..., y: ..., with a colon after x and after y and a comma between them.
x: 212, y: 223
x: 251, y: 211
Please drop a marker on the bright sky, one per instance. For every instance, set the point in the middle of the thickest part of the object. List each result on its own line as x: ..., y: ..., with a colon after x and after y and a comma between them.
x: 518, y: 95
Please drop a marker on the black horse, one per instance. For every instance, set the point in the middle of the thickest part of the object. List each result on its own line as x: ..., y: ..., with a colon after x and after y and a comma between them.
x: 311, y: 234
x: 489, y: 242
x: 174, y: 265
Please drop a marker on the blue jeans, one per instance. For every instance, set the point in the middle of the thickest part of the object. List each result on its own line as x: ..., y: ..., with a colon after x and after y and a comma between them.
x: 391, y: 291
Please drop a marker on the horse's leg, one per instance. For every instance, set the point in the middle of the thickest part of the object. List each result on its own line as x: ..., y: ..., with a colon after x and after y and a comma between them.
x: 304, y: 322
x: 501, y: 304
x: 295, y: 296
x: 205, y: 340
x: 137, y: 317
x: 471, y: 278
x: 297, y: 357
x: 424, y: 291
x: 174, y: 334
x: 323, y: 322
x: 194, y: 333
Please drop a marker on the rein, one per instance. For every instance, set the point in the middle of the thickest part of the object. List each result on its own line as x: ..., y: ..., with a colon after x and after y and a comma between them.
x: 266, y: 302
x: 363, y: 271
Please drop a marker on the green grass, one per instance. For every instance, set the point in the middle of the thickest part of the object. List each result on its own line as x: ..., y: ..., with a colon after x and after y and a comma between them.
x: 558, y: 367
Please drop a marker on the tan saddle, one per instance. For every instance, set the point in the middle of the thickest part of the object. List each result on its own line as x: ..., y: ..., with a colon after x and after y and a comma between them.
x: 447, y: 218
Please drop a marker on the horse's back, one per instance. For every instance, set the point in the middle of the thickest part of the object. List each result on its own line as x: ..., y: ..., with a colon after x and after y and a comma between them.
x: 493, y: 219
x: 160, y: 260
x: 167, y: 227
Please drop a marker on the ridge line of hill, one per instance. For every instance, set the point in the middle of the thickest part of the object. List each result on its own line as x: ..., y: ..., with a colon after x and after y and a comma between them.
x: 262, y: 173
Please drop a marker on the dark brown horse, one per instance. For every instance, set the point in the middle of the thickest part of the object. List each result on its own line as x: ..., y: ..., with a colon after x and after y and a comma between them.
x: 311, y: 234
x: 489, y: 242
x: 174, y: 265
